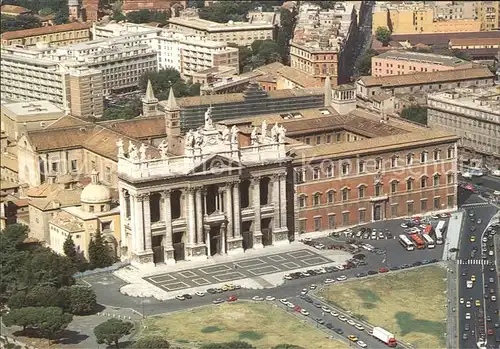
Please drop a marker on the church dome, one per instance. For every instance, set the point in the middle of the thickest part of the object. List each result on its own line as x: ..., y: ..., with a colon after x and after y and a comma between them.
x: 95, y: 193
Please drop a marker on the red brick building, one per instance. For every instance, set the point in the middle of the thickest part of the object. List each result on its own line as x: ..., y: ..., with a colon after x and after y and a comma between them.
x: 152, y: 5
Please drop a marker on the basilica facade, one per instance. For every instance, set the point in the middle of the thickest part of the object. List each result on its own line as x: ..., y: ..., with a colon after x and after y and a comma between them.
x: 221, y: 192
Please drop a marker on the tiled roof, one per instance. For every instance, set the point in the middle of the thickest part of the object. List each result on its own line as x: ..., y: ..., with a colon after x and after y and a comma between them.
x: 373, y: 145
x: 298, y: 77
x: 423, y: 57
x: 138, y: 128
x: 426, y: 78
x: 9, y: 162
x: 271, y: 68
x: 442, y: 39
x: 56, y: 194
x: 13, y: 9
x: 474, y: 41
x: 67, y: 121
x: 44, y: 30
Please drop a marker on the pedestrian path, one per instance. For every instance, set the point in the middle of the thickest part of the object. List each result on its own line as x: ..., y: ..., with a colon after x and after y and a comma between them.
x: 473, y: 261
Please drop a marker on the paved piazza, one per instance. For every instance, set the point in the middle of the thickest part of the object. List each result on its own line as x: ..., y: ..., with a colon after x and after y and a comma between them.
x: 245, y: 268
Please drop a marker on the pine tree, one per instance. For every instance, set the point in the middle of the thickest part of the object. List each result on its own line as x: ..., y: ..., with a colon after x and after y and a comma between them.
x: 99, y: 252
x: 70, y: 249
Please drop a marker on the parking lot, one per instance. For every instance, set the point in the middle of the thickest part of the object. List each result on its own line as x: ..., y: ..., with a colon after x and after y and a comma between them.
x: 246, y: 268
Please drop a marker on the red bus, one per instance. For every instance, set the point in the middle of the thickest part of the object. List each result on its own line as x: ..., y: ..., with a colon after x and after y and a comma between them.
x: 428, y: 229
x: 419, y: 242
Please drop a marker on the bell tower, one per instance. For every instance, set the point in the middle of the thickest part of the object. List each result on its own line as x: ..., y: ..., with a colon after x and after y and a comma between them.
x: 149, y: 102
x: 172, y: 120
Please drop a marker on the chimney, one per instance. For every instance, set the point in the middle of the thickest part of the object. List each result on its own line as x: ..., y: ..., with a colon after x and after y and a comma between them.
x: 51, y: 179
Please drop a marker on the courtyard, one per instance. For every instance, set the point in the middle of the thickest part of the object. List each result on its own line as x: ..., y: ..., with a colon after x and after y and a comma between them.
x: 411, y: 303
x: 261, y: 324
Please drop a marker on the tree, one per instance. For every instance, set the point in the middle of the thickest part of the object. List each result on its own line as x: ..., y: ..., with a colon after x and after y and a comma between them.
x: 23, y: 317
x: 12, y: 256
x: 162, y: 80
x: 228, y: 345
x: 69, y: 249
x: 146, y: 16
x: 99, y: 252
x: 154, y: 342
x: 111, y: 331
x: 364, y: 65
x: 62, y: 15
x: 79, y: 300
x: 52, y: 321
x: 225, y: 11
x: 45, y: 11
x: 415, y: 113
x: 38, y: 296
x: 9, y: 23
x: 383, y: 34
x: 288, y: 20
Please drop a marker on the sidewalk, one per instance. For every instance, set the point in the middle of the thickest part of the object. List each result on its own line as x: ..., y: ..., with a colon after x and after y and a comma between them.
x: 453, y: 235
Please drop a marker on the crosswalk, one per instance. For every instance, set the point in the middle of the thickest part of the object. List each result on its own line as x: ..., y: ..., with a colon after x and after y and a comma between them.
x: 473, y: 261
x: 478, y: 204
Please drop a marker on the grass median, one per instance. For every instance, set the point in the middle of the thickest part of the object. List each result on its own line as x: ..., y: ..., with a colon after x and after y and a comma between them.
x: 263, y: 325
x: 411, y: 303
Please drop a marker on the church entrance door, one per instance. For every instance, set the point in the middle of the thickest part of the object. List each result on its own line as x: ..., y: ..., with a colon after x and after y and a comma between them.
x: 178, y: 244
x: 247, y: 240
x: 158, y: 252
x: 215, y: 241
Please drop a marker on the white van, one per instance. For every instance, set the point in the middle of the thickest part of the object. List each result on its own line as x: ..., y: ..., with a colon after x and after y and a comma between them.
x: 469, y: 284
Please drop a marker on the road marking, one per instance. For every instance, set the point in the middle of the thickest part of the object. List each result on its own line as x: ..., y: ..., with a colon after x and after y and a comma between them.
x: 269, y: 269
x: 235, y: 275
x: 215, y: 269
x: 314, y: 261
x: 187, y: 274
x: 250, y: 263
x: 291, y: 265
x: 201, y: 281
x: 162, y: 278
x: 175, y: 286
x: 473, y: 261
x: 300, y: 254
x: 276, y: 258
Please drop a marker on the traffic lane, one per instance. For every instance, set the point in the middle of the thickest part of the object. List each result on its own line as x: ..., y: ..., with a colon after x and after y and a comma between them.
x: 471, y: 295
x: 486, y: 181
x: 318, y: 313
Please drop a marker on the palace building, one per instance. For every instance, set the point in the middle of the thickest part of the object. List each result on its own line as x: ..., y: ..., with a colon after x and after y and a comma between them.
x: 222, y: 193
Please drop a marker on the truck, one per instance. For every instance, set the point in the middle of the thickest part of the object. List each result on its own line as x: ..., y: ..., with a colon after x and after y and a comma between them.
x: 385, y: 337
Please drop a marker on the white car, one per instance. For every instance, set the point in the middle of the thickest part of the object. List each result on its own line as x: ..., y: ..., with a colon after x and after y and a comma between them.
x: 307, y: 240
x: 496, y: 173
x: 334, y: 314
x: 200, y: 294
x: 313, y: 286
x: 415, y: 230
x: 288, y: 277
x: 467, y: 316
x: 342, y: 278
x: 319, y: 246
x: 270, y: 298
x: 468, y: 304
x: 180, y: 297
x: 342, y: 318
x: 284, y: 301
x: 462, y: 301
x: 444, y: 215
x: 304, y: 312
x: 361, y: 344
x: 326, y: 309
x: 290, y: 305
x: 493, y: 298
x: 490, y: 253
x: 351, y: 322
x: 257, y: 298
x: 359, y: 327
x: 435, y: 217
x: 496, y: 193
x: 304, y: 291
x: 339, y: 267
x: 404, y: 225
x: 329, y: 281
x: 467, y: 175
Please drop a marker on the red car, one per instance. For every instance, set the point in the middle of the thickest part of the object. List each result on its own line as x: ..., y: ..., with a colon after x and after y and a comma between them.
x: 383, y: 270
x: 490, y: 332
x: 232, y: 299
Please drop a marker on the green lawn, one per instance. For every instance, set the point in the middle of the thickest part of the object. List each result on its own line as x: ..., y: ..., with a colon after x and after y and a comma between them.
x: 261, y: 324
x: 410, y: 303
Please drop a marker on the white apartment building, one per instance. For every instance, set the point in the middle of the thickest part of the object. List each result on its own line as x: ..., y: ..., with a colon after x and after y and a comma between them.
x: 239, y: 33
x: 474, y: 115
x: 187, y: 53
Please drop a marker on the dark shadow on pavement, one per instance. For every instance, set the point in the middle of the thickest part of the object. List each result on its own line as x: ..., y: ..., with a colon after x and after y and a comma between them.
x: 71, y: 337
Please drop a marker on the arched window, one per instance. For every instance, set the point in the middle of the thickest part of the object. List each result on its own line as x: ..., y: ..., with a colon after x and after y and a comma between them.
x: 302, y: 200
x: 436, y: 179
x: 423, y: 157
x: 361, y: 191
x: 423, y: 182
x: 450, y: 178
x: 409, y: 159
x: 345, y: 169
x: 345, y: 194
x: 330, y: 196
x: 317, y: 199
x: 394, y: 186
x: 409, y: 184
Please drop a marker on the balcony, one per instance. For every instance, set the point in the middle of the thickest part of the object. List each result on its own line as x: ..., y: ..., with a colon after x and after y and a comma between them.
x: 379, y: 198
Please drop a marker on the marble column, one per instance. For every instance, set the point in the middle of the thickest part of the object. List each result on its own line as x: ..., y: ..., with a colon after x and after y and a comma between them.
x: 147, y: 221
x: 167, y: 216
x: 257, y: 233
x: 237, y: 210
x: 123, y: 216
x: 228, y: 203
x: 191, y: 217
x: 138, y: 223
x: 276, y: 201
x: 199, y: 216
x: 206, y: 230
x: 283, y: 203
x: 223, y: 238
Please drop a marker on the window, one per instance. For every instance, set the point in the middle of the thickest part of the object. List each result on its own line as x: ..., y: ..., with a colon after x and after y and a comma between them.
x: 318, y: 139
x: 423, y: 157
x: 345, y: 194
x: 317, y: 223
x: 378, y: 189
x: 436, y: 155
x: 394, y: 187
x: 423, y: 205
x: 409, y: 184
x: 450, y: 153
x: 54, y: 166
x: 451, y: 201
x: 409, y: 208
x: 74, y: 165
x: 329, y: 171
x: 317, y: 199
x: 331, y: 221
x: 345, y: 218
x: 92, y: 165
x: 338, y: 137
x: 394, y: 210
x: 436, y: 180
x: 362, y: 216
x: 345, y: 169
x: 302, y: 225
x: 437, y: 203
x: 361, y: 191
x: 107, y: 174
x: 308, y: 140
x: 302, y: 201
x: 361, y: 166
x: 330, y: 196
x: 409, y: 159
x: 316, y: 172
x: 91, y: 208
x: 423, y: 182
x: 328, y: 139
x: 299, y: 176
x: 450, y: 178
x: 378, y: 163
x: 394, y: 161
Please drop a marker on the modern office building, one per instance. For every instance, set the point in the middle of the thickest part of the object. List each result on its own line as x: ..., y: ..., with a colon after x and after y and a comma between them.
x: 57, y: 35
x: 474, y: 115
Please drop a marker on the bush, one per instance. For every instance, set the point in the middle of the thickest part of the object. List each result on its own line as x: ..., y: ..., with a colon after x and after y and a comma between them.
x: 79, y: 300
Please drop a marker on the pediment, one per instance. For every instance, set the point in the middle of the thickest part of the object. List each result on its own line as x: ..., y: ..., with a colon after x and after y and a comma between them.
x: 217, y: 164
